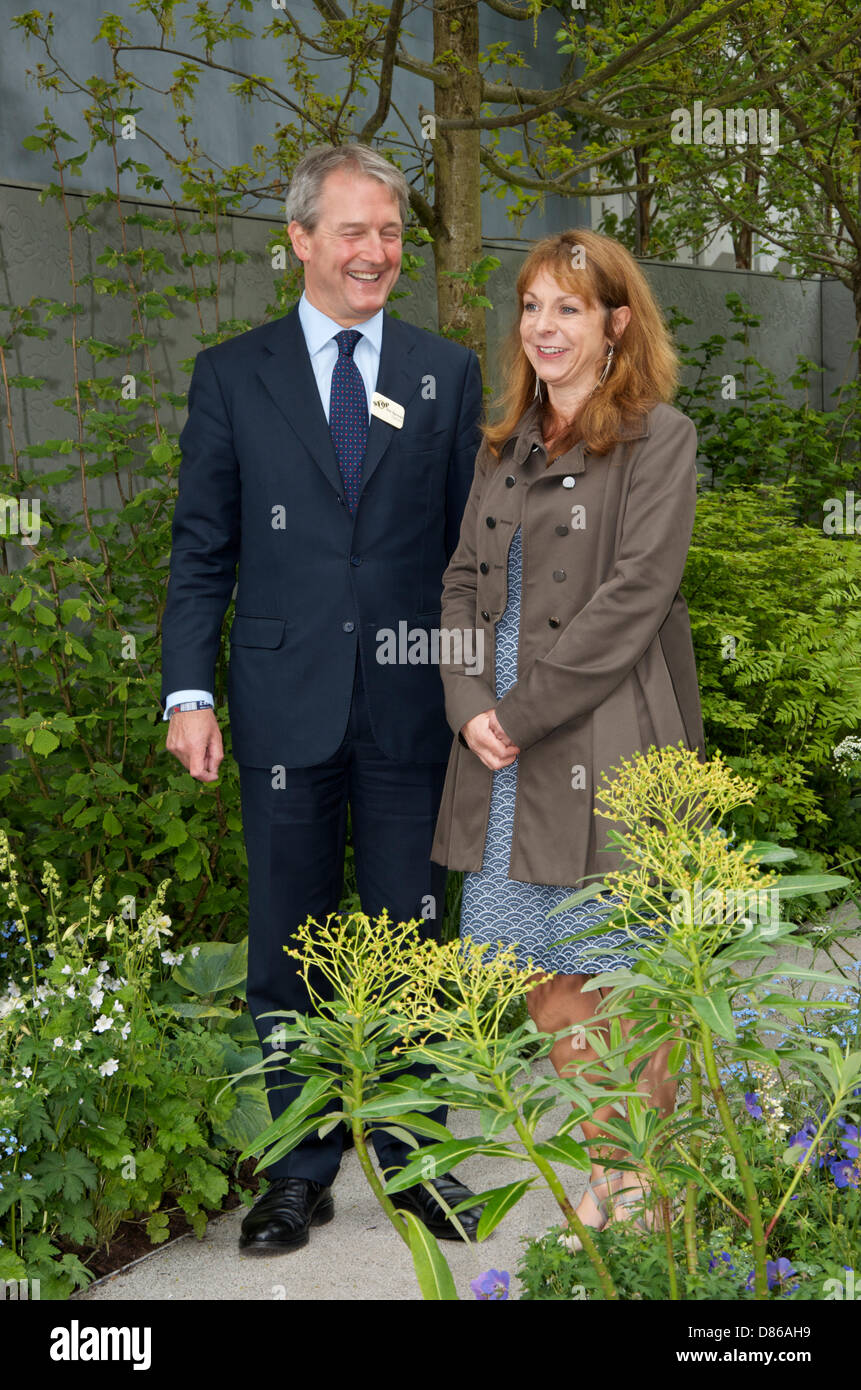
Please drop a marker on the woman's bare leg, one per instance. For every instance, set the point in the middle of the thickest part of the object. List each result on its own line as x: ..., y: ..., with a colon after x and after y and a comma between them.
x: 560, y: 1002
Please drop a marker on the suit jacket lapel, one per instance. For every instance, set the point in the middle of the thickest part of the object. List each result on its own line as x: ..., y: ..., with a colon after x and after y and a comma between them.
x: 288, y: 376
x: 286, y: 372
x: 396, y: 380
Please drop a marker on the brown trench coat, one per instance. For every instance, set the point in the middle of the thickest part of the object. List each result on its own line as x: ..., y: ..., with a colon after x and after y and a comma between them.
x: 605, y: 659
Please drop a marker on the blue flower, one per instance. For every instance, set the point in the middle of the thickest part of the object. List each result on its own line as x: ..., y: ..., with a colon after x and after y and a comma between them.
x: 753, y: 1106
x: 851, y: 1138
x: 778, y: 1273
x: 725, y: 1256
x: 842, y: 1171
x: 492, y: 1285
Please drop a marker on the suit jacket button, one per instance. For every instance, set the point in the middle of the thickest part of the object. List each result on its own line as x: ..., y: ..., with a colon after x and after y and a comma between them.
x: 348, y: 627
x: 355, y: 559
x: 569, y: 481
x: 510, y: 481
x: 553, y: 622
x: 485, y: 615
x: 484, y: 567
x: 491, y: 521
x: 562, y: 530
x: 559, y: 575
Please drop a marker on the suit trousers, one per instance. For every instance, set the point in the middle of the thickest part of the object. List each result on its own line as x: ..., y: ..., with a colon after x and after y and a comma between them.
x: 295, y: 837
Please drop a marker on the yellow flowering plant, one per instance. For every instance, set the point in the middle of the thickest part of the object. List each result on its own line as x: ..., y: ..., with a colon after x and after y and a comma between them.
x: 711, y: 906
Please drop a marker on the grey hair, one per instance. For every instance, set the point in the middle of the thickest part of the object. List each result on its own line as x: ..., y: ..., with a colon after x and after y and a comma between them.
x: 303, y: 195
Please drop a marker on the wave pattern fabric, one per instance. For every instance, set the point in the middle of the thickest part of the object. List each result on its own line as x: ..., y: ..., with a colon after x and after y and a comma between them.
x: 496, y: 908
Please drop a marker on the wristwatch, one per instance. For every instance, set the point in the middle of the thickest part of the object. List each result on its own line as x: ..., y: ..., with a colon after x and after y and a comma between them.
x: 189, y: 704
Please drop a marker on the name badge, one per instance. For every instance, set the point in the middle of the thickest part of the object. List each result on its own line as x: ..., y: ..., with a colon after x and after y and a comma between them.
x: 387, y: 410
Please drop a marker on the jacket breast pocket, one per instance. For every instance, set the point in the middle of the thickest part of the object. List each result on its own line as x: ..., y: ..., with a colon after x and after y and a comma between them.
x: 257, y: 632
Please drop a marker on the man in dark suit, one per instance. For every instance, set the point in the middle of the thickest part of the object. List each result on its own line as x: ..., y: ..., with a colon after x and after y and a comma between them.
x: 329, y: 454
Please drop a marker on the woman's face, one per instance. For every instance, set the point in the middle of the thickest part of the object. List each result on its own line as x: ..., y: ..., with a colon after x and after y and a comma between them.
x: 562, y: 337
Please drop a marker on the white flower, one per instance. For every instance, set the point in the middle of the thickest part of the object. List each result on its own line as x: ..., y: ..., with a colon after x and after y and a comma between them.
x: 52, y: 952
x: 125, y: 1030
x: 14, y: 990
x: 96, y: 996
x: 117, y: 1007
x: 84, y: 970
x: 71, y: 992
x: 170, y: 959
x: 102, y: 1024
x: 103, y: 966
x: 26, y: 1071
x: 76, y: 1045
x: 195, y: 952
x: 109, y: 1067
x: 58, y: 1042
x: 66, y: 970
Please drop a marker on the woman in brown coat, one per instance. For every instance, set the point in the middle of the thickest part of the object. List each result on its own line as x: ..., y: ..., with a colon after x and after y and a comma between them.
x: 571, y: 553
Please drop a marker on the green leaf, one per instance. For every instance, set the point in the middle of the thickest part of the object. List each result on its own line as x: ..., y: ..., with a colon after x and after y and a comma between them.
x: 563, y: 1149
x: 715, y: 1010
x: 432, y: 1271
x: 498, y: 1204
x: 44, y: 741
x: 218, y: 965
x: 440, y: 1157
x: 249, y: 1116
x: 796, y: 885
x: 158, y: 1228
x: 110, y: 824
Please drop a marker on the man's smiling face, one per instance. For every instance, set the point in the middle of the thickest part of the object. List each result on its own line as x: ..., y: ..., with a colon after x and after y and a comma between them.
x: 352, y: 258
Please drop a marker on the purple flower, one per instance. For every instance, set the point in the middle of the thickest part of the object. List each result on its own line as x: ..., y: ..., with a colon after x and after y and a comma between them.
x: 777, y: 1271
x: 491, y: 1285
x: 725, y: 1256
x: 753, y: 1106
x: 851, y: 1138
x: 804, y: 1138
x: 842, y: 1171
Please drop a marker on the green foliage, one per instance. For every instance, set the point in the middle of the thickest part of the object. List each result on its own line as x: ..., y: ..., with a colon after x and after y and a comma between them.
x: 112, y: 1100
x: 776, y: 624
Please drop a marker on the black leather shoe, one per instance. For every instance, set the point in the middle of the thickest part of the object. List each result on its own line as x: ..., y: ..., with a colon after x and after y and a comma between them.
x: 281, y: 1219
x: 419, y: 1201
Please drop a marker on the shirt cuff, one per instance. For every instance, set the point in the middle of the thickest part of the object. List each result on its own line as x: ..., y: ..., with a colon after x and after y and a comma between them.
x: 179, y: 697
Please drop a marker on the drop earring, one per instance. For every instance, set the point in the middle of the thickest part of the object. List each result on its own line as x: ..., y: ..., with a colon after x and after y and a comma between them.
x: 537, y: 391
x: 607, y: 365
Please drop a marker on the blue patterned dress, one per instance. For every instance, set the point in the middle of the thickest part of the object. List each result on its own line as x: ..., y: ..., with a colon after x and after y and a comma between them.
x: 497, y: 908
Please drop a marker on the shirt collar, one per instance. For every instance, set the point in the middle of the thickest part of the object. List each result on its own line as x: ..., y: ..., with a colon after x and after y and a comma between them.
x: 319, y: 329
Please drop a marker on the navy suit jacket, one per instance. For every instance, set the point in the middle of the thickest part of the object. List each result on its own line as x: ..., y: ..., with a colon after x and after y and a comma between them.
x: 260, y: 487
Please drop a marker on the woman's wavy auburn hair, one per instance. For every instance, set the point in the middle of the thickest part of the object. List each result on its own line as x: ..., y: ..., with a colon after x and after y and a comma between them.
x: 645, y: 364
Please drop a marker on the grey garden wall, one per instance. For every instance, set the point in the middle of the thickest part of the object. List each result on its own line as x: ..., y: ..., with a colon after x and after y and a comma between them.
x: 810, y: 317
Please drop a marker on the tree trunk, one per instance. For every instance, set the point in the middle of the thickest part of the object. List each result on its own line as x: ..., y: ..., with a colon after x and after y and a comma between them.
x: 457, y: 171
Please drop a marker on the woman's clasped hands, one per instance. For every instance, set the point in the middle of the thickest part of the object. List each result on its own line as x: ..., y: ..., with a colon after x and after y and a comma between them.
x: 489, y: 741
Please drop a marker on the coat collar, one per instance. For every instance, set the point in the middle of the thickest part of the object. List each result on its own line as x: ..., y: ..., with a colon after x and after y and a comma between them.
x: 527, y: 439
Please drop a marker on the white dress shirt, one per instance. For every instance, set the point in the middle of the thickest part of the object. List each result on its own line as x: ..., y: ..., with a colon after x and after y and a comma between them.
x: 319, y: 331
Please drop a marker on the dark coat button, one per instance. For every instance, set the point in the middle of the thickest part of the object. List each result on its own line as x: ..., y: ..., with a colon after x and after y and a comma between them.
x: 562, y: 530
x: 484, y: 567
x: 553, y: 622
x: 559, y: 575
x: 485, y: 615
x: 491, y: 521
x: 534, y: 447
x: 510, y: 481
x: 355, y: 559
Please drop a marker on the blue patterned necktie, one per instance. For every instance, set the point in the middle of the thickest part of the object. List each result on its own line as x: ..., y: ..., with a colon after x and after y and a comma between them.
x: 348, y: 415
